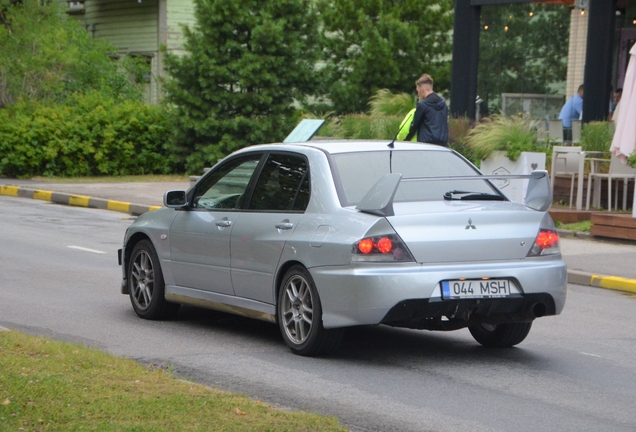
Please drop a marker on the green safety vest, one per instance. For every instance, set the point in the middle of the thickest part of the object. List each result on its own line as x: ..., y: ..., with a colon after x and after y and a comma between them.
x: 405, y: 126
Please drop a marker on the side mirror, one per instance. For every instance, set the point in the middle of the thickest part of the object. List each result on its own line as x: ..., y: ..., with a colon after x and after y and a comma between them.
x: 175, y: 199
x: 539, y: 193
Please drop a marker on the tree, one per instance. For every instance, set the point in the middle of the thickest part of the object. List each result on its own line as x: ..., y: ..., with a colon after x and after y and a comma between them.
x: 524, y: 49
x: 245, y: 64
x: 46, y: 56
x: 375, y: 44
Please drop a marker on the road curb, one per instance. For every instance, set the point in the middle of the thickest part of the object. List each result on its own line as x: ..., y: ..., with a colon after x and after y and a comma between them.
x: 574, y: 234
x: 76, y: 200
x: 601, y: 281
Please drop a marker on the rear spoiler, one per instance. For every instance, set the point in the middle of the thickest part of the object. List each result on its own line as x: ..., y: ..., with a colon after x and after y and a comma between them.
x: 379, y: 200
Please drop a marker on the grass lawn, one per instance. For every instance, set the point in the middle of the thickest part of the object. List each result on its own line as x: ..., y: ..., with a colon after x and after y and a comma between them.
x: 583, y: 226
x: 57, y: 386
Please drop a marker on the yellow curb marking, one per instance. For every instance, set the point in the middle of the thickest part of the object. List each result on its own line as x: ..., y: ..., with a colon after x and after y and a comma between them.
x: 119, y: 206
x: 42, y: 195
x: 614, y: 283
x: 9, y: 190
x: 79, y: 200
x: 74, y: 200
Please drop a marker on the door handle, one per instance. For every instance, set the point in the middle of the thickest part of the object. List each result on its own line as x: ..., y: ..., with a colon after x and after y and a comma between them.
x: 284, y: 225
x: 223, y: 223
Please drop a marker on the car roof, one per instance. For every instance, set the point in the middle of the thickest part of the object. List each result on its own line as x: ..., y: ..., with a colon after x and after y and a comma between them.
x: 332, y: 146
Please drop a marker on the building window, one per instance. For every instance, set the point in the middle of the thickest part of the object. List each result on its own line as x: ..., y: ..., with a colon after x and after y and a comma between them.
x: 75, y: 7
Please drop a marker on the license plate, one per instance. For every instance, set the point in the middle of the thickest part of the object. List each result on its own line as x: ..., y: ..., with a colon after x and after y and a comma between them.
x: 478, y: 288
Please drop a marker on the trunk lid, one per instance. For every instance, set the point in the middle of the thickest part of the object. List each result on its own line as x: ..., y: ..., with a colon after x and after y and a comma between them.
x: 466, y: 231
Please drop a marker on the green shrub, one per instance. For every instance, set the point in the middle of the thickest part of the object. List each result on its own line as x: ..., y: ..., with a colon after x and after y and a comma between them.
x: 499, y: 133
x: 89, y: 136
x: 384, y: 103
x: 597, y: 136
x: 458, y: 129
x: 361, y: 126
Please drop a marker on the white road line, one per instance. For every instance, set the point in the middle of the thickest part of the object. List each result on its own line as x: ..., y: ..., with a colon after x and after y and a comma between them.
x: 591, y: 355
x: 85, y: 249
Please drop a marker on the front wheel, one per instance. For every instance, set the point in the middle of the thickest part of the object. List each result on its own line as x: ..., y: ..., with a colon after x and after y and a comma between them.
x: 501, y: 335
x: 145, y: 284
x: 300, y: 316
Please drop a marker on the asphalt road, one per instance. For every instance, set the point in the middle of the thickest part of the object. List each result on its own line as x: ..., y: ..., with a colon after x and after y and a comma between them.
x: 575, y: 372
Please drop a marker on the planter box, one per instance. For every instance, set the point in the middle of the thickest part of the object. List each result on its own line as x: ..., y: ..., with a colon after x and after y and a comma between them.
x: 619, y: 226
x: 499, y: 164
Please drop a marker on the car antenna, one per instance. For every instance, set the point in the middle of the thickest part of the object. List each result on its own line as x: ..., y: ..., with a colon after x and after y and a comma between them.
x: 391, y: 144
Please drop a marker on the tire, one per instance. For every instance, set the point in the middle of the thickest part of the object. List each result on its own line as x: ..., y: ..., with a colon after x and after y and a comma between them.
x: 300, y: 316
x: 500, y: 336
x: 146, y: 285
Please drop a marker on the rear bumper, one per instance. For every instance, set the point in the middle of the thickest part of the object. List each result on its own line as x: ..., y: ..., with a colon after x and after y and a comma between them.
x: 427, y: 314
x: 397, y: 293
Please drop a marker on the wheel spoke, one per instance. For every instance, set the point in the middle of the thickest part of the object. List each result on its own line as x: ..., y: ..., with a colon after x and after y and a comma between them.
x: 136, y: 291
x: 136, y: 271
x: 290, y: 294
x: 293, y: 289
x: 303, y: 292
x: 150, y: 278
x: 308, y: 317
x: 300, y: 331
x: 147, y: 296
x: 144, y: 261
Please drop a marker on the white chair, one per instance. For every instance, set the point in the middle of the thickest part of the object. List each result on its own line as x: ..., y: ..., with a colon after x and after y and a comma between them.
x: 555, y: 130
x: 617, y: 170
x: 566, y: 160
x: 576, y: 131
x: 541, y: 132
x: 552, y: 129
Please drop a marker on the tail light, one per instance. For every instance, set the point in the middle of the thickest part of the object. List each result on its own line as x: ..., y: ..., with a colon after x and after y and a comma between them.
x: 547, y: 241
x: 384, y: 248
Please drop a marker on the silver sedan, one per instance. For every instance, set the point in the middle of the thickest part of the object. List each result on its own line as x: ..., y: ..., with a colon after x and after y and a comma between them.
x: 324, y: 235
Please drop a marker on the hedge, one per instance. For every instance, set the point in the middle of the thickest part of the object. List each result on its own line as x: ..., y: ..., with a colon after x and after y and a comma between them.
x: 89, y: 136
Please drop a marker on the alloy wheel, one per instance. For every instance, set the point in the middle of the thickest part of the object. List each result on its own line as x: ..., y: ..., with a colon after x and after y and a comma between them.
x: 142, y: 280
x: 297, y: 309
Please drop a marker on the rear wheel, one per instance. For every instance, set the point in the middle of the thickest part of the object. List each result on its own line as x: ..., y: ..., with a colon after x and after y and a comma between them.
x: 501, y: 335
x: 300, y: 316
x: 145, y: 284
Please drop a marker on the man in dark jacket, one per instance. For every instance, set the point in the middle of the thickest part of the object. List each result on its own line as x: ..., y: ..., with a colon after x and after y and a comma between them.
x: 430, y: 120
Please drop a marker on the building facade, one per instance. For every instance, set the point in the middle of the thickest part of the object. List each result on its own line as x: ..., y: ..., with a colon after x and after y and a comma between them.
x: 601, y: 34
x: 138, y: 28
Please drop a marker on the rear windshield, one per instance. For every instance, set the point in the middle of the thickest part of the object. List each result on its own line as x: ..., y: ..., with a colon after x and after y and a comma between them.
x: 357, y: 172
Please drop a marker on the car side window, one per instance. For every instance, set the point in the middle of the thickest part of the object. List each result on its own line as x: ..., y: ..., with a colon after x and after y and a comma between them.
x: 283, y: 184
x: 225, y: 187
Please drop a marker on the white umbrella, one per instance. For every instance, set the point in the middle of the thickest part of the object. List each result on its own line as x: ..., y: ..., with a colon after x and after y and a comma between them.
x: 624, y: 142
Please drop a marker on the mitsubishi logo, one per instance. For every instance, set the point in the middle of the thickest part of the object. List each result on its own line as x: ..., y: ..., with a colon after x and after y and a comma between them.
x: 470, y: 225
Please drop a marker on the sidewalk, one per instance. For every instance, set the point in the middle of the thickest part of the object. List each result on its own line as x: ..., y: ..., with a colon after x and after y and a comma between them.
x: 591, y: 261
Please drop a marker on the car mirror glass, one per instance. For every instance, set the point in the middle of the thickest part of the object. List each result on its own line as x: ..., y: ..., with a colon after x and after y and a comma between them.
x: 175, y: 199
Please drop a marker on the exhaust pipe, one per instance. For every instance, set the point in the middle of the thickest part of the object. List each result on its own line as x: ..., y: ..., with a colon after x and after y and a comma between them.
x: 536, y: 310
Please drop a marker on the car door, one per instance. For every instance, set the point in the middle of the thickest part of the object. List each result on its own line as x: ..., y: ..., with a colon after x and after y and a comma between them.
x: 200, y: 234
x: 280, y: 197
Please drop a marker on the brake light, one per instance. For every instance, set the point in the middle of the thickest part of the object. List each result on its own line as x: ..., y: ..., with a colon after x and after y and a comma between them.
x: 365, y: 246
x: 547, y: 239
x: 387, y: 248
x: 546, y: 243
x: 385, y: 245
